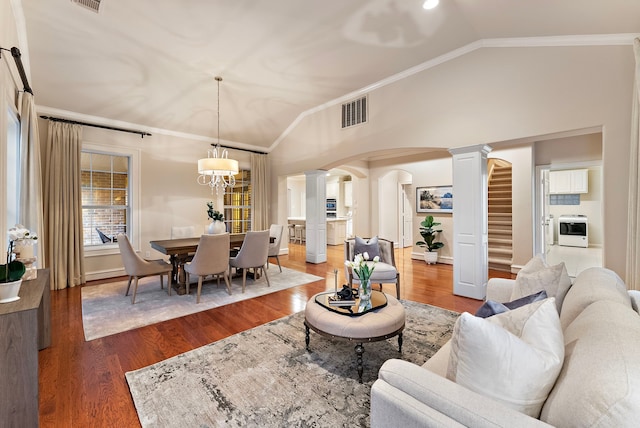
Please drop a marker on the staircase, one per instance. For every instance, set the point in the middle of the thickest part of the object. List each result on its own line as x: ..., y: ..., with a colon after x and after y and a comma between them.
x: 499, y: 210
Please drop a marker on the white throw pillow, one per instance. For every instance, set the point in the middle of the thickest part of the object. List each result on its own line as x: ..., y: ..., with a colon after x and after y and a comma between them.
x: 536, y: 276
x: 513, y: 357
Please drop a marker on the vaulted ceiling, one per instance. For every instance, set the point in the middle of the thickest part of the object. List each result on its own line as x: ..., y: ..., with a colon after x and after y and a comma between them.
x: 152, y: 62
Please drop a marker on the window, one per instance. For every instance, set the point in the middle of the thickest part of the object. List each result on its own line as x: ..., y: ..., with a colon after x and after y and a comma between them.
x: 237, y: 204
x: 106, y: 207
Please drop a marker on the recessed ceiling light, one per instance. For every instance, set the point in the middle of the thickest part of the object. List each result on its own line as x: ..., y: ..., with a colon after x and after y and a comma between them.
x: 430, y: 4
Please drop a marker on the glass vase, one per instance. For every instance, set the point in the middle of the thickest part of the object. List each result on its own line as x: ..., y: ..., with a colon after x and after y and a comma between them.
x: 364, y: 292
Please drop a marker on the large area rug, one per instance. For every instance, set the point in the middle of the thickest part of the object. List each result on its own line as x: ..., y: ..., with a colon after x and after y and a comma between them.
x: 264, y: 377
x: 106, y: 310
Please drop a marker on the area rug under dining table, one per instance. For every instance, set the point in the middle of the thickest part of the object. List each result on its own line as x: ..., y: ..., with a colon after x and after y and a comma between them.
x: 106, y: 310
x: 264, y: 377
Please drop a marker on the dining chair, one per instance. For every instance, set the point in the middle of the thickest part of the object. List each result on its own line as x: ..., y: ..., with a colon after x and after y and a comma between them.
x: 385, y: 271
x: 137, y: 267
x: 211, y: 258
x: 275, y: 232
x: 253, y: 254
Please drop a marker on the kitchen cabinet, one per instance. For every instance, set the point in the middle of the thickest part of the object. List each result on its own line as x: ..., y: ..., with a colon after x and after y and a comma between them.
x: 332, y: 189
x: 336, y: 231
x: 569, y: 181
x: 348, y: 193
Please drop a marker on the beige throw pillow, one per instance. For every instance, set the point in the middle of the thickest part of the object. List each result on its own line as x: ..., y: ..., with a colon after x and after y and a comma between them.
x: 536, y: 276
x: 513, y: 357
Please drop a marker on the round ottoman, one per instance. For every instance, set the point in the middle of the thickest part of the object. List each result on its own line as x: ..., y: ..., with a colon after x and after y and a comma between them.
x: 372, y: 326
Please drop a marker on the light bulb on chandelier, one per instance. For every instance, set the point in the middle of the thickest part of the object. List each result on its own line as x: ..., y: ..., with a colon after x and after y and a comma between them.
x: 217, y: 170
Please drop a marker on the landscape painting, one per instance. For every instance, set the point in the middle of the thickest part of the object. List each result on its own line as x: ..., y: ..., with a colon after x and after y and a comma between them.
x: 434, y: 199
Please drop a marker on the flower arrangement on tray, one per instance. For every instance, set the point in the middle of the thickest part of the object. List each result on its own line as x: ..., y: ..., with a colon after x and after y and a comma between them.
x: 363, y: 269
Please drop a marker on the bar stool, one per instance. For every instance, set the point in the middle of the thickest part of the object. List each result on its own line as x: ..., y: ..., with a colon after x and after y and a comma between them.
x: 299, y: 233
x: 292, y: 232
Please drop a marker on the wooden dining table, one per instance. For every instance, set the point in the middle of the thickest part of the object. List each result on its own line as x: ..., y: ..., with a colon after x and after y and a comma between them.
x: 179, y: 251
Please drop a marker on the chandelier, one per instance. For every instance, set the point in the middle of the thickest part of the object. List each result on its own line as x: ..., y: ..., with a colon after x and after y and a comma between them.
x: 216, y: 170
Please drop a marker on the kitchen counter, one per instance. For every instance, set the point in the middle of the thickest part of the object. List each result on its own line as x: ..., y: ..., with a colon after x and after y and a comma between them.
x: 336, y: 228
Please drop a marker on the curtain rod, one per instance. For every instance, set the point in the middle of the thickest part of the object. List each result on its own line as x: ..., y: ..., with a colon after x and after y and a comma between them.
x: 75, y: 122
x: 15, y: 52
x: 244, y: 150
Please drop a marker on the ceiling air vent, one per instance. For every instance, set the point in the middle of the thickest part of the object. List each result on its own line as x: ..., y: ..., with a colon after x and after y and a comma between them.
x: 354, y: 112
x: 93, y: 5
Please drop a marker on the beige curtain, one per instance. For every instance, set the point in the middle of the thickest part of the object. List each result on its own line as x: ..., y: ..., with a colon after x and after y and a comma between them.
x: 259, y: 191
x: 64, y: 251
x: 31, y: 212
x: 633, y: 228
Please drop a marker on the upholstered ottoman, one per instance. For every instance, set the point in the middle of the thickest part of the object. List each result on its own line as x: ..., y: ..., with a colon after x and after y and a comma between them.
x: 371, y: 326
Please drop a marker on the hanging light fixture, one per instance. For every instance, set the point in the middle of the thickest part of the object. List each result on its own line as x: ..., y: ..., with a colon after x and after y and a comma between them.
x: 216, y: 170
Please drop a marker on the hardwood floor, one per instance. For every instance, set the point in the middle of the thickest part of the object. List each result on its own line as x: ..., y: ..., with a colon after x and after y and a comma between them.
x: 82, y: 383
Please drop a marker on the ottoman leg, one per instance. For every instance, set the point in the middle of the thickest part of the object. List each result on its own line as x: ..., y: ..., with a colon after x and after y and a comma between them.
x: 359, y: 352
x: 306, y: 335
x: 400, y: 342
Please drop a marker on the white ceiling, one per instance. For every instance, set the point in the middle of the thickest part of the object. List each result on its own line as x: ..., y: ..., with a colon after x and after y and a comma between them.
x: 152, y: 62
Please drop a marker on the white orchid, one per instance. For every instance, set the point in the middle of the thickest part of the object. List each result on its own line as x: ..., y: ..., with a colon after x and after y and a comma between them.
x: 361, y: 265
x: 19, y: 233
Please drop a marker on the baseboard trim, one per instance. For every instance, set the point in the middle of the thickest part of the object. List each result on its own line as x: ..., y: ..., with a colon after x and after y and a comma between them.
x: 104, y: 274
x: 441, y: 259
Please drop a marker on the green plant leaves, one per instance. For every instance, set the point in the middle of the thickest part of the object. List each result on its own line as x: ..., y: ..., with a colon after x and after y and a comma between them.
x: 13, y: 272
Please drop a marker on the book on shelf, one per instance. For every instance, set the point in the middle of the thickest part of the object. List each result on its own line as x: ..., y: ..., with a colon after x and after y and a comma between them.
x: 338, y: 302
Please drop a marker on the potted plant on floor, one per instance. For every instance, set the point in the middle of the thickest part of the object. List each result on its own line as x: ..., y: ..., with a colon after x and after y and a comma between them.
x: 428, y: 231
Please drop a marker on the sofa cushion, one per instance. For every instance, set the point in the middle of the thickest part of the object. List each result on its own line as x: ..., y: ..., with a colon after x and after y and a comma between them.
x: 513, y: 357
x: 369, y: 246
x: 599, y: 384
x: 592, y: 285
x: 635, y: 300
x: 536, y: 276
x: 490, y: 307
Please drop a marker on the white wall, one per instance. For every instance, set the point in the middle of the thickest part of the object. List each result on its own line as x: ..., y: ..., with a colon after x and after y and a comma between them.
x: 490, y: 95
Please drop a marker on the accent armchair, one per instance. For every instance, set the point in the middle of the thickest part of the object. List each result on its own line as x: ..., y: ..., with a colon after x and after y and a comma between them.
x: 385, y: 271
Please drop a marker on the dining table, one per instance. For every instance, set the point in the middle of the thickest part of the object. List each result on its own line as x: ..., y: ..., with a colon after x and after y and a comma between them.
x: 180, y: 251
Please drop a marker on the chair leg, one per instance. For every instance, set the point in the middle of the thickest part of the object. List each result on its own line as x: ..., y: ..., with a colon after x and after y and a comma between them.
x: 135, y: 290
x: 278, y: 260
x: 128, y: 286
x: 266, y: 276
x: 199, y: 288
x: 244, y: 278
x: 168, y: 283
x: 187, y: 281
x: 398, y: 285
x: 227, y: 282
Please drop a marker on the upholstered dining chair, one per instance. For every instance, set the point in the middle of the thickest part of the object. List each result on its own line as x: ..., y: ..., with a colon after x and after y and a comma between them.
x: 385, y: 271
x: 211, y: 258
x: 275, y: 232
x: 253, y: 254
x: 137, y: 267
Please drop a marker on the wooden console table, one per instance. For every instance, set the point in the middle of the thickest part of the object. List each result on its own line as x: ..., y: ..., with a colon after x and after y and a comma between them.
x: 25, y: 328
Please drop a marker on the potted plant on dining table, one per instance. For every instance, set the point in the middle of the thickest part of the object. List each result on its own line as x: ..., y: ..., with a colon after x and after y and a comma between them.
x: 217, y: 225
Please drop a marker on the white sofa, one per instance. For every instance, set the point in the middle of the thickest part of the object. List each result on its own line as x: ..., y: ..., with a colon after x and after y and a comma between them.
x: 598, y: 384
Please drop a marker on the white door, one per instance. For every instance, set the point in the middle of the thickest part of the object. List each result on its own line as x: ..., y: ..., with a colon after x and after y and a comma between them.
x: 407, y: 218
x: 547, y: 222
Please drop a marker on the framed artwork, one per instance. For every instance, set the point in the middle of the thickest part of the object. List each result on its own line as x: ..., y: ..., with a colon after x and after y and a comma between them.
x: 437, y: 199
